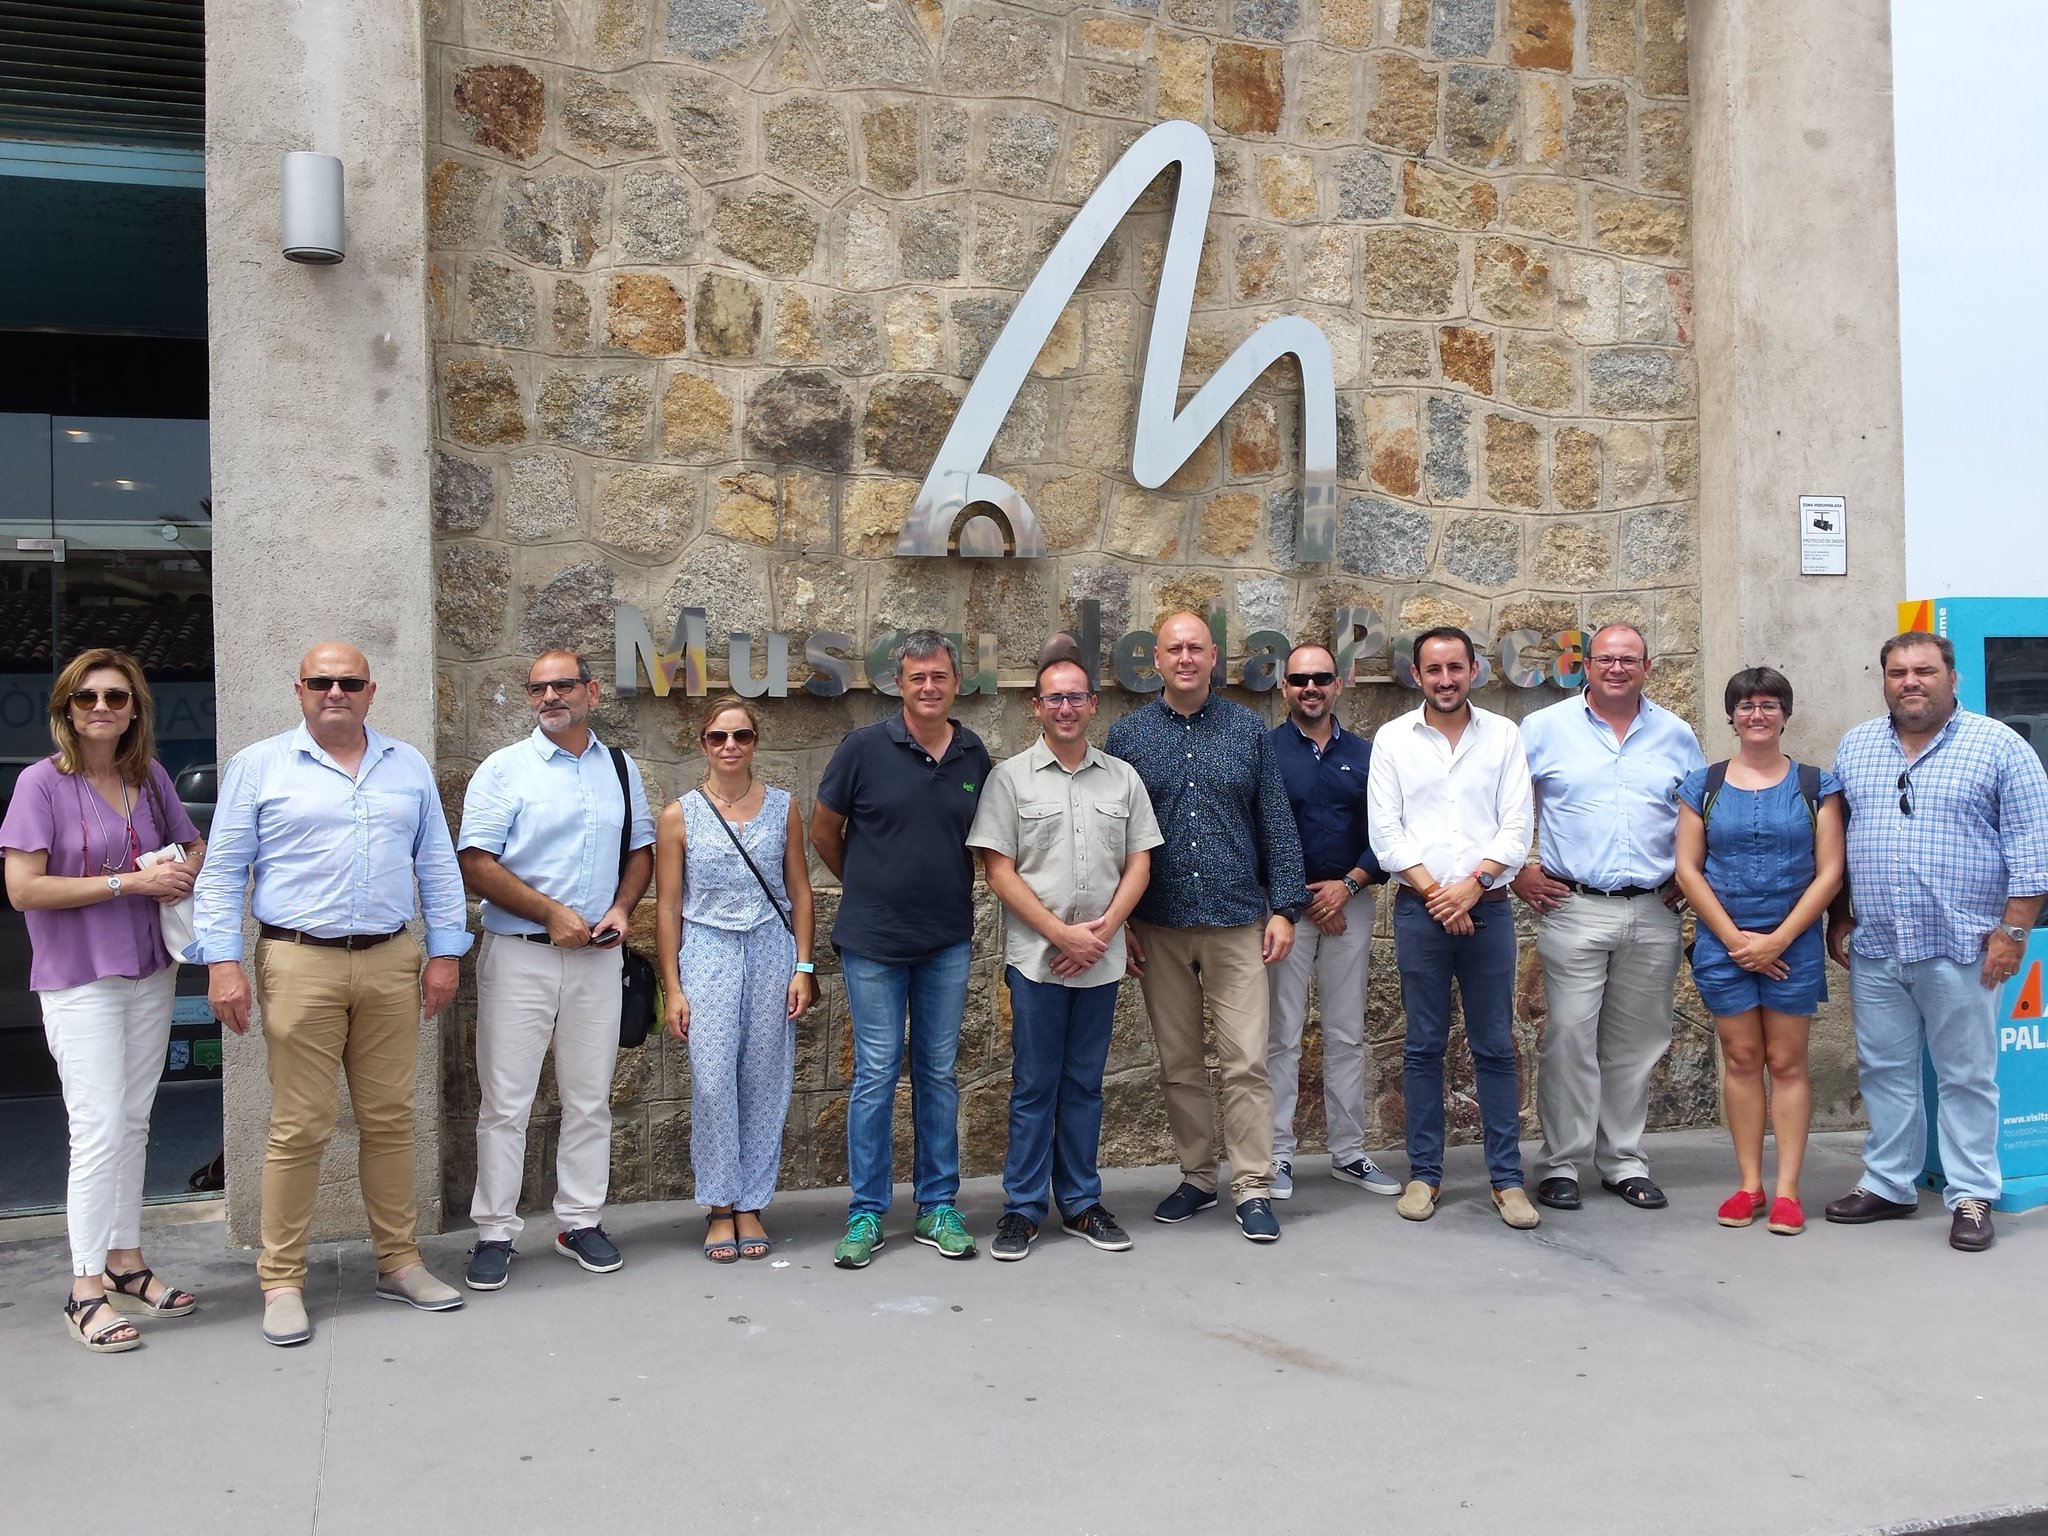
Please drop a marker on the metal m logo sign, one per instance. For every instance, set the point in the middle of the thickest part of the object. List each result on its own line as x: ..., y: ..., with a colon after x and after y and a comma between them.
x: 960, y: 509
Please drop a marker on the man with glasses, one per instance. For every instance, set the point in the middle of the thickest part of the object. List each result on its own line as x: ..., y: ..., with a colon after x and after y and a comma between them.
x: 1948, y: 864
x: 1325, y: 769
x: 1604, y: 764
x: 1065, y: 833
x: 891, y: 821
x: 1225, y: 893
x: 337, y: 824
x: 543, y: 825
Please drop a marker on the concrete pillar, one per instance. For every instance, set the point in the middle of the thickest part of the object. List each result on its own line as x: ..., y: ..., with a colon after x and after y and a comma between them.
x: 1797, y: 343
x: 322, y: 420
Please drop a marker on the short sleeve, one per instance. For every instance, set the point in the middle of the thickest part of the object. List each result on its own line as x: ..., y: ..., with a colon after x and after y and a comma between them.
x: 486, y: 812
x: 1144, y: 830
x: 1829, y: 784
x: 995, y: 816
x: 30, y: 814
x: 840, y: 786
x: 1692, y: 790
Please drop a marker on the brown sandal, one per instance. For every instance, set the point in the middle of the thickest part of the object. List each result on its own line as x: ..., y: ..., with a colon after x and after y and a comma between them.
x: 107, y: 1339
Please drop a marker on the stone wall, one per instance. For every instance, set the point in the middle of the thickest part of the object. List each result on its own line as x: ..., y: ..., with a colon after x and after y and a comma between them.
x: 708, y: 278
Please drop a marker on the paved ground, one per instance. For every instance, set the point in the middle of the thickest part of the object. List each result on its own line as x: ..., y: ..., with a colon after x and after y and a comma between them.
x: 1617, y: 1371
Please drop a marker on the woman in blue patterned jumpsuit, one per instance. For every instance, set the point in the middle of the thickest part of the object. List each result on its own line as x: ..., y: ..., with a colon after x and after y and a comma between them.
x: 736, y: 971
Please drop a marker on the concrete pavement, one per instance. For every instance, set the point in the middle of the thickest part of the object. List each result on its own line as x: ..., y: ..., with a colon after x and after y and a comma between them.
x: 1616, y: 1371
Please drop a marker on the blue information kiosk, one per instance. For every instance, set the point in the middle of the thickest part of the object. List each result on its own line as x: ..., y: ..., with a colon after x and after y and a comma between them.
x: 2002, y: 665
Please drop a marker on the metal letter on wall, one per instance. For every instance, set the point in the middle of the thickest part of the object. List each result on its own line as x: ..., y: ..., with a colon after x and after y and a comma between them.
x: 940, y: 522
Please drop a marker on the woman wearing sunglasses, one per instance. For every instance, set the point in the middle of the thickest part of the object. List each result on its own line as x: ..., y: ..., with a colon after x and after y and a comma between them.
x: 1759, y: 859
x: 74, y: 834
x: 733, y: 912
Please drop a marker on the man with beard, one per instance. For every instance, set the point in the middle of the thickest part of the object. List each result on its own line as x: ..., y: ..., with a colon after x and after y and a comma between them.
x: 1449, y: 810
x: 1325, y: 768
x: 1948, y: 863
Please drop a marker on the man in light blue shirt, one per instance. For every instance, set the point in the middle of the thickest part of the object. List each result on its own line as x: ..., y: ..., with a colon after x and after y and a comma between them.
x: 337, y: 824
x: 1604, y: 763
x: 545, y: 843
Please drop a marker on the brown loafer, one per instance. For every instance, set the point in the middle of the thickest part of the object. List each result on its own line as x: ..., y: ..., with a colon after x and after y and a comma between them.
x: 1971, y: 1231
x: 1417, y: 1202
x: 1860, y: 1206
x: 1515, y: 1209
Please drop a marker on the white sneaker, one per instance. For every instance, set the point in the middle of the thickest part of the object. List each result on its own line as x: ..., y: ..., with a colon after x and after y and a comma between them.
x: 1283, y: 1181
x: 1366, y: 1174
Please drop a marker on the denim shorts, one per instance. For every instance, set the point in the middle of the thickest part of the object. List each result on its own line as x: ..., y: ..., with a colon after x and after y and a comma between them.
x: 1726, y: 988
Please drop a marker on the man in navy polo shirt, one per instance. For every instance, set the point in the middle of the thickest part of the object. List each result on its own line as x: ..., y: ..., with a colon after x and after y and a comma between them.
x: 891, y: 822
x: 1325, y: 769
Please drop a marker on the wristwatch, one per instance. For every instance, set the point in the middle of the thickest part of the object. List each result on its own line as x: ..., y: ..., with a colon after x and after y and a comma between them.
x: 114, y: 884
x: 1292, y: 912
x: 807, y: 967
x: 1351, y: 886
x: 1488, y: 882
x: 2014, y: 932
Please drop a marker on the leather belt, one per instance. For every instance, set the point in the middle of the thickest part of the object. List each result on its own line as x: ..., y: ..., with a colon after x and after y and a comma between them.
x: 535, y: 938
x: 343, y: 941
x: 1620, y: 892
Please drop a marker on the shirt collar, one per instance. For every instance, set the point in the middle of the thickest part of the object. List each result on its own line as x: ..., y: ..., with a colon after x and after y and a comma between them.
x: 1645, y: 708
x: 1174, y: 714
x: 375, y: 745
x: 900, y: 733
x: 1336, y: 735
x: 1040, y: 755
x: 1948, y: 728
x: 546, y: 749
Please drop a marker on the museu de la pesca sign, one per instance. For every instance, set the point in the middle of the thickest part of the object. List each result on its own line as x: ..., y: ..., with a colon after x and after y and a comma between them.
x: 963, y: 512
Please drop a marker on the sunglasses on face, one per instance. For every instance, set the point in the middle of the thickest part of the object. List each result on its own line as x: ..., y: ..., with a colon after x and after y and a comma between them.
x: 1310, y: 679
x: 89, y: 698
x: 325, y: 684
x: 743, y: 737
x: 1055, y: 700
x: 547, y: 685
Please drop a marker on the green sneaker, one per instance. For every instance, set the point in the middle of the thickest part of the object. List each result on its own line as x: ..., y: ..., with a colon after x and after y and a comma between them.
x: 943, y: 1228
x: 863, y: 1237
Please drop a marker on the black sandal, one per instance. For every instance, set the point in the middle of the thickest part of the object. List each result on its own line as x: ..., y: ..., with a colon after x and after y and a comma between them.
x: 130, y: 1293
x: 751, y: 1247
x: 78, y: 1311
x: 725, y: 1252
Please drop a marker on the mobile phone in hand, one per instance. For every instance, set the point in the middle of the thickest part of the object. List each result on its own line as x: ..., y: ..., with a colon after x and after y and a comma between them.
x: 605, y: 937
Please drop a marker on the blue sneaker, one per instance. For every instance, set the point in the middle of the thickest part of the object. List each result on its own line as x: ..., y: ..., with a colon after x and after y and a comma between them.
x: 1283, y: 1180
x: 1184, y: 1202
x: 589, y: 1247
x: 1365, y: 1174
x: 490, y: 1263
x: 1257, y: 1219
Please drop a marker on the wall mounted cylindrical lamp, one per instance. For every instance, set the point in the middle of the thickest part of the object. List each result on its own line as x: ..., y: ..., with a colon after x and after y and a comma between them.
x: 313, y: 228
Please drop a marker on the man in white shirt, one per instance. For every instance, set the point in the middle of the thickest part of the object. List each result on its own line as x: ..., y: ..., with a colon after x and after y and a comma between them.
x: 1448, y: 810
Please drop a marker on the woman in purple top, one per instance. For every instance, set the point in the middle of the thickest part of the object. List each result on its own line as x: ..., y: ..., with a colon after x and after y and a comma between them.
x: 73, y: 835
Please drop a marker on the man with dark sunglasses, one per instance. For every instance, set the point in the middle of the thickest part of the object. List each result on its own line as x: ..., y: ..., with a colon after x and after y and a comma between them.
x: 543, y: 823
x: 1325, y: 768
x: 338, y: 825
x: 1948, y: 863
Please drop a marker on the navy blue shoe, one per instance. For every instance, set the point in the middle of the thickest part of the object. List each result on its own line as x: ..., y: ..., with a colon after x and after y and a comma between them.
x: 490, y: 1262
x: 589, y: 1247
x: 1258, y: 1221
x: 1184, y: 1202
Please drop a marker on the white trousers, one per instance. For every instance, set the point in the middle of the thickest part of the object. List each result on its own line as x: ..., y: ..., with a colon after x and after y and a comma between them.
x: 109, y: 1039
x: 1340, y: 963
x: 531, y: 996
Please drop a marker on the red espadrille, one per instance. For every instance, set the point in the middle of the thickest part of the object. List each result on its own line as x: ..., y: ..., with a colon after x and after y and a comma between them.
x: 1787, y: 1220
x: 1741, y: 1208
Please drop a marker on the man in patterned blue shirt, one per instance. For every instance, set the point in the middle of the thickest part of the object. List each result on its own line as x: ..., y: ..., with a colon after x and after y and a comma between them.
x: 1226, y: 891
x: 1948, y: 863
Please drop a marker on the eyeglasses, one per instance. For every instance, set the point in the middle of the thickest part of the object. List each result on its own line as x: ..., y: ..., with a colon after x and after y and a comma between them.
x: 562, y: 685
x: 1055, y: 700
x: 1616, y: 661
x: 327, y: 684
x: 89, y: 698
x: 1757, y: 707
x: 744, y: 737
x: 1905, y: 795
x: 1310, y: 679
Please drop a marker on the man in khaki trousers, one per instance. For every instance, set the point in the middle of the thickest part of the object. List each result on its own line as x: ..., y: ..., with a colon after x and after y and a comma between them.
x: 337, y: 824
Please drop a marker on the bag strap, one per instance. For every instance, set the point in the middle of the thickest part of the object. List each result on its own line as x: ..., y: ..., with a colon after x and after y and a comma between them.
x: 1809, y: 790
x: 156, y: 802
x: 765, y: 891
x: 626, y: 818
x: 1717, y: 776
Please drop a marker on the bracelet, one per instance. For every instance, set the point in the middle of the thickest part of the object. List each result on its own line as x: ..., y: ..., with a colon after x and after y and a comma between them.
x: 806, y: 968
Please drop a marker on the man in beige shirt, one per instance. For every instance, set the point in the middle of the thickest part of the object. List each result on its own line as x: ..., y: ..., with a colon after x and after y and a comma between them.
x: 1065, y: 833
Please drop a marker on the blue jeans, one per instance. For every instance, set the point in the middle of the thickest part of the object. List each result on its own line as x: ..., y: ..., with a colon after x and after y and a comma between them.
x: 1483, y: 964
x: 1938, y: 1004
x: 1059, y: 1043
x: 934, y: 992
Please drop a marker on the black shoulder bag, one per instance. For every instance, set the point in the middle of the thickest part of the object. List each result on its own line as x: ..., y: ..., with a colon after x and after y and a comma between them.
x: 639, y: 986
x: 789, y: 927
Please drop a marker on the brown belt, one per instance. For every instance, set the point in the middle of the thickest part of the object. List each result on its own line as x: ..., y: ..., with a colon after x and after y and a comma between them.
x: 344, y: 941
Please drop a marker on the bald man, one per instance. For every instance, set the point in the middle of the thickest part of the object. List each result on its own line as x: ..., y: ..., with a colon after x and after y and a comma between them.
x: 337, y: 824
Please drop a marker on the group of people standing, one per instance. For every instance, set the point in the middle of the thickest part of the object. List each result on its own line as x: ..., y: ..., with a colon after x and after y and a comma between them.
x: 1222, y: 864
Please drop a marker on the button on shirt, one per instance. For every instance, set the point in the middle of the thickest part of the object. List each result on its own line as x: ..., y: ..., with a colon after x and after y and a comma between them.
x: 333, y: 855
x: 553, y: 820
x: 1605, y: 816
x: 1936, y: 882
x: 1448, y: 808
x: 1326, y: 788
x: 1070, y: 835
x: 1231, y: 852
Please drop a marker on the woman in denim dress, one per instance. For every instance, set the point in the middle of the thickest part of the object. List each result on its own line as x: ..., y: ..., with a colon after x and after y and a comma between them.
x: 1759, y: 863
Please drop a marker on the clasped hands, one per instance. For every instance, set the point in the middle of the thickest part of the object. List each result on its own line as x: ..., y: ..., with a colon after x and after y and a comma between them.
x: 1451, y: 902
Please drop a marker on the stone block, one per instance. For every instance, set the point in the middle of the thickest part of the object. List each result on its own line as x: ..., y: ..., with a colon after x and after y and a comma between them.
x: 1001, y: 254
x: 1637, y: 226
x: 1611, y: 37
x: 1182, y: 79
x: 868, y: 254
x: 522, y: 26
x: 872, y: 514
x: 1112, y: 35
x: 912, y: 323
x: 1664, y: 53
x: 696, y: 420
x: 1097, y: 422
x: 999, y: 54
x: 1019, y: 151
x: 1118, y: 92
x: 795, y: 337
x: 571, y: 611
x: 1254, y: 440
x: 804, y: 139
x: 928, y: 243
x: 480, y: 403
x: 1228, y: 524
x: 1287, y: 187
x: 540, y: 498
x: 1538, y: 372
x: 603, y: 120
x: 1466, y: 356
x: 1261, y: 263
x: 706, y: 126
x: 1542, y: 119
x: 1463, y: 202
x: 1514, y: 462
x: 569, y: 313
x: 1681, y: 446
x: 728, y: 582
x: 905, y: 423
x: 746, y: 507
x: 1326, y: 267
x: 773, y: 231
x: 1639, y: 381
x: 1198, y: 471
x: 1268, y: 19
x: 1394, y: 447
x: 728, y: 316
x: 598, y: 412
x: 1146, y: 525
x: 1596, y: 144
x: 712, y: 30
x: 472, y: 588
x: 1328, y: 97
x: 1347, y: 23
x: 1544, y: 208
x: 500, y: 303
x: 949, y: 146
x: 1365, y: 187
x: 1658, y: 545
x: 1011, y: 599
x: 654, y: 216
x: 1069, y: 512
x: 1575, y: 457
x: 1540, y: 34
x: 1589, y: 298
x: 1511, y: 281
x: 1061, y: 352
x: 1249, y: 92
x: 1447, y: 467
x: 504, y: 108
x: 1461, y: 29
x: 456, y: 194
x: 888, y: 135
x: 647, y: 511
x: 801, y: 417
x: 1479, y: 114
x: 1664, y: 149
x: 1632, y: 457
x: 461, y: 494
x: 1383, y: 540
x: 863, y: 44
x: 811, y: 595
x: 1403, y: 111
x: 1574, y: 555
x: 1486, y: 551
x: 644, y: 314
x: 555, y: 221
x: 853, y: 342
x: 1410, y: 271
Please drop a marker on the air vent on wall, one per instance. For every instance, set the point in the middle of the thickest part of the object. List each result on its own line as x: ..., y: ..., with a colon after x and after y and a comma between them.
x: 103, y: 71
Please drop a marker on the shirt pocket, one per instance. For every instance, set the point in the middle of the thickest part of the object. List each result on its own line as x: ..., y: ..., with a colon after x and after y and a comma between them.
x: 1040, y: 828
x: 395, y: 811
x: 1113, y: 827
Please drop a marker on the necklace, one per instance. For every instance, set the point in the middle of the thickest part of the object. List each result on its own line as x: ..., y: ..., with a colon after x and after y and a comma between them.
x: 728, y: 804
x: 109, y: 863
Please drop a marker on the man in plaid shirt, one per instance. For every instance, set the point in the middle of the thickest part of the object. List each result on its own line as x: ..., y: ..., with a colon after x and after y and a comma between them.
x: 1948, y: 863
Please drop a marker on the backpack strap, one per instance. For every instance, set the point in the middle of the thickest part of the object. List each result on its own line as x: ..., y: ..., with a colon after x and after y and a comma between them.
x: 1809, y: 791
x: 1717, y: 776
